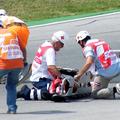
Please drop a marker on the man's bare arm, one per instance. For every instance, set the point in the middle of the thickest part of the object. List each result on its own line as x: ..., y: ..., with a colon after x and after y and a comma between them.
x: 86, y: 66
x: 54, y: 71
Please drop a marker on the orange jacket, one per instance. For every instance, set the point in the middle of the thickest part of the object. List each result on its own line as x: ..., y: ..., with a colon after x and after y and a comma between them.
x: 11, y: 55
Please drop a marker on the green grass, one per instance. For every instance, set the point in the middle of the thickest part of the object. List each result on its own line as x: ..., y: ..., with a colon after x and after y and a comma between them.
x: 46, y: 9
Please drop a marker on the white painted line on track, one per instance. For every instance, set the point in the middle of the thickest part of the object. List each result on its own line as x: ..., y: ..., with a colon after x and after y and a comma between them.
x: 72, y: 20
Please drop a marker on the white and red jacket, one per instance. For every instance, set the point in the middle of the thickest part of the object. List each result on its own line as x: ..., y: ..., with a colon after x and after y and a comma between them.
x: 103, y: 52
x: 104, y: 58
x: 44, y: 56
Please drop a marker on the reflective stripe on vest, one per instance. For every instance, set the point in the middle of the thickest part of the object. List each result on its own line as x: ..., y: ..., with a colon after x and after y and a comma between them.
x: 103, y: 52
x: 9, y: 46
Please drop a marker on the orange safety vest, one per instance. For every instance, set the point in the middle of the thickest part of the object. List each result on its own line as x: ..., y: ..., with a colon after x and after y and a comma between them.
x: 102, y: 50
x: 9, y: 46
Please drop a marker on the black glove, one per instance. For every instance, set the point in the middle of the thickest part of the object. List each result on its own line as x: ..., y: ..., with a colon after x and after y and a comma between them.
x: 71, y: 72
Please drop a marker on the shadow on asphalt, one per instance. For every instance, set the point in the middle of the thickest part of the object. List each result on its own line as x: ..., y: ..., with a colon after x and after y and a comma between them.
x: 45, y: 112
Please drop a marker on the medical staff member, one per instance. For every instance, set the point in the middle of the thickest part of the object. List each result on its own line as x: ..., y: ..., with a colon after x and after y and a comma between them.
x: 44, y: 68
x: 101, y: 62
x: 11, y: 63
x: 13, y: 23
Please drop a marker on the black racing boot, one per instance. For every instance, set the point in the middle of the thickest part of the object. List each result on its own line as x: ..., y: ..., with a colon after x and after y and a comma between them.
x: 45, y: 95
x: 24, y: 93
x: 114, y: 92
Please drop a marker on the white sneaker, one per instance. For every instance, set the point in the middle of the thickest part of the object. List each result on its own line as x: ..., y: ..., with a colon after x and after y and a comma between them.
x: 118, y: 88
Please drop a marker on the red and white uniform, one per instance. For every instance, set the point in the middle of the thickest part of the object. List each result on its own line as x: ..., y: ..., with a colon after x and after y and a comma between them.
x: 105, y: 61
x: 44, y: 57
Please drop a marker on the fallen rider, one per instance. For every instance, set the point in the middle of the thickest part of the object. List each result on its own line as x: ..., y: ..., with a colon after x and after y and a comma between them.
x: 58, y: 90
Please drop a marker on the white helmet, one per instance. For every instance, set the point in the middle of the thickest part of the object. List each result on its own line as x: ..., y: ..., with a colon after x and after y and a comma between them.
x: 3, y: 12
x: 81, y: 35
x: 68, y: 87
x: 60, y: 36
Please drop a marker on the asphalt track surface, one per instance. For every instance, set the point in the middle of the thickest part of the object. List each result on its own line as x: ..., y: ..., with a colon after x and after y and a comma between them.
x: 104, y: 27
